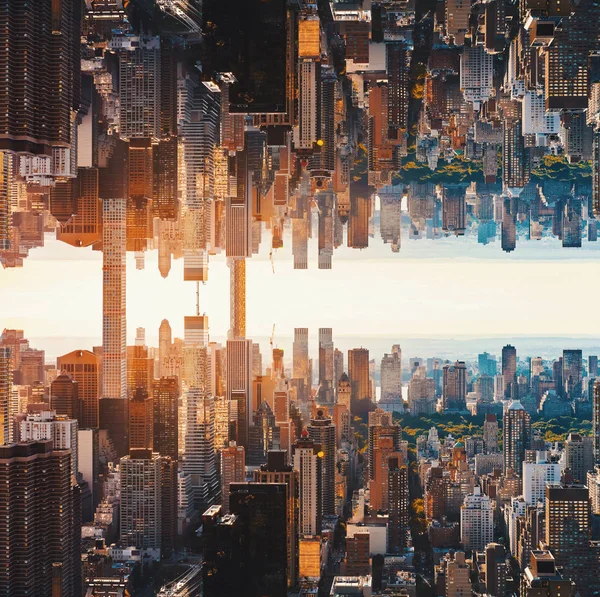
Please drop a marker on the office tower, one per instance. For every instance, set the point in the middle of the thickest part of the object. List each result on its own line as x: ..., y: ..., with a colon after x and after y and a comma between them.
x: 516, y: 436
x: 476, y: 75
x: 421, y: 393
x: 322, y: 431
x: 536, y: 475
x: 41, y: 84
x: 5, y: 394
x: 593, y: 365
x: 495, y: 569
x: 566, y: 58
x: 596, y: 421
x: 487, y: 364
x: 325, y: 366
x: 379, y: 485
x: 233, y: 470
x: 381, y: 425
x: 455, y: 386
x: 309, y: 75
x: 358, y: 562
x: 391, y: 375
x: 239, y: 385
x: 141, y: 503
x: 169, y: 489
x: 262, y: 512
x: 199, y: 455
x: 579, y: 456
x: 165, y: 202
x: 398, y: 505
x: 263, y: 435
x: 508, y: 226
x: 140, y: 369
x: 542, y: 578
x: 64, y: 397
x: 83, y: 367
x: 31, y: 368
x: 139, y: 86
x: 509, y: 371
x: 40, y: 523
x: 572, y: 374
x: 476, y: 521
x: 165, y: 397
x: 114, y: 326
x: 358, y: 222
x: 516, y: 166
x: 358, y: 372
x: 308, y: 463
x: 277, y: 470
x: 490, y: 434
x: 454, y: 209
x: 164, y: 344
x: 140, y: 421
x: 484, y: 387
x: 568, y: 531
x: 237, y: 300
x: 301, y: 364
x: 398, y: 55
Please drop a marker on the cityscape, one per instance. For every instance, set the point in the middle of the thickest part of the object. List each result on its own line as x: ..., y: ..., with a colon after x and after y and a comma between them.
x: 409, y: 419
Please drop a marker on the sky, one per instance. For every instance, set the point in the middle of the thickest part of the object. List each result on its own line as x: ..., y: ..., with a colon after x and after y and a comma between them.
x: 438, y: 289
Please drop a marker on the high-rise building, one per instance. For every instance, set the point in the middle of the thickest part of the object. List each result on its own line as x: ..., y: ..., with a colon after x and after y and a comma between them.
x: 391, y: 375
x: 359, y: 374
x: 579, y: 456
x: 322, y: 431
x: 277, y: 470
x: 381, y: 425
x: 199, y: 455
x: 542, y: 578
x: 5, y: 393
x: 301, y: 364
x: 308, y: 462
x: 596, y: 421
x: 572, y: 374
x: 114, y: 325
x: 140, y: 421
x: 476, y: 521
x: 495, y: 569
x: 568, y: 530
x: 261, y: 509
x: 64, y: 397
x: 141, y: 501
x: 40, y: 523
x: 140, y: 369
x: 325, y: 366
x: 139, y: 86
x: 165, y: 396
x: 536, y: 475
x: 83, y: 367
x: 455, y: 386
x: 398, y: 502
x: 40, y: 93
x: 233, y: 470
x: 516, y: 436
x: 239, y: 385
x: 490, y: 434
x: 509, y: 370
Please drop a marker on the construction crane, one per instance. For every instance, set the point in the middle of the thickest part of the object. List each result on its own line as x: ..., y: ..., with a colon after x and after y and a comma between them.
x: 272, y: 336
x: 272, y: 260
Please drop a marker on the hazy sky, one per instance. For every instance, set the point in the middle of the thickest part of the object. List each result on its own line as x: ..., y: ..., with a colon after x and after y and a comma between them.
x: 437, y: 288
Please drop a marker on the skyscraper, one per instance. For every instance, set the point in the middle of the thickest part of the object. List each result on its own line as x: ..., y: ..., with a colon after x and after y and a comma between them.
x: 308, y: 462
x: 322, y: 431
x: 579, y: 456
x: 391, y: 375
x: 239, y: 385
x: 262, y: 512
x: 141, y: 502
x: 516, y: 434
x: 40, y: 523
x: 398, y: 500
x: 114, y: 324
x: 165, y: 395
x: 301, y: 364
x: 233, y: 459
x: 64, y: 397
x: 476, y: 521
x: 509, y: 370
x: 358, y: 372
x: 572, y: 374
x: 325, y: 365
x: 455, y: 386
x: 5, y: 392
x: 83, y: 367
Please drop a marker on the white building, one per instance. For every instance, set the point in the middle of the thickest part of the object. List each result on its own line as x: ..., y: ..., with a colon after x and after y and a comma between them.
x: 536, y: 121
x: 514, y: 510
x: 391, y: 374
x: 476, y: 521
x: 536, y: 475
x: 48, y: 425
